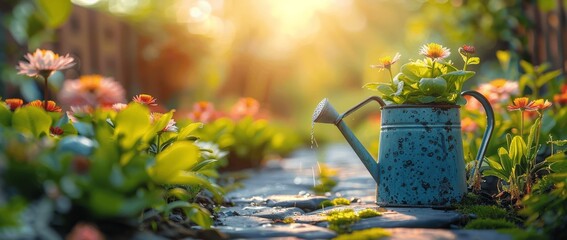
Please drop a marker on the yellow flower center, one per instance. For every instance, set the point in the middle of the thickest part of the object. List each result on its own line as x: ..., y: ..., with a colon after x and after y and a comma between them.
x: 435, y: 50
x: 90, y: 83
x: 498, y: 83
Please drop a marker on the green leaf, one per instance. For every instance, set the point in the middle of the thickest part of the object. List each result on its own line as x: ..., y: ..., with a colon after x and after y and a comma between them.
x: 415, y: 71
x: 372, y: 86
x: 32, y: 120
x: 171, y: 163
x: 200, y: 216
x: 132, y: 123
x: 185, y: 132
x: 545, y: 78
x: 517, y: 150
x: 54, y: 12
x: 426, y: 99
x: 433, y: 86
x: 473, y: 61
x: 531, y: 139
x: 203, y: 164
x: 505, y: 161
x: 5, y: 115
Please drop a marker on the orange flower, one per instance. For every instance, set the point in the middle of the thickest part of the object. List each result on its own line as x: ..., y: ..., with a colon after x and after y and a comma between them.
x: 145, y: 99
x: 43, y: 61
x: 14, y: 103
x: 386, y: 62
x: 561, y: 98
x: 521, y: 104
x: 51, y: 105
x: 245, y: 107
x: 434, y: 51
x: 85, y: 231
x: 538, y: 105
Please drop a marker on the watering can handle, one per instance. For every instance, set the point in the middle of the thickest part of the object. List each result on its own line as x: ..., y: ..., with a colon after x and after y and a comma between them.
x: 373, y: 98
x: 487, y: 133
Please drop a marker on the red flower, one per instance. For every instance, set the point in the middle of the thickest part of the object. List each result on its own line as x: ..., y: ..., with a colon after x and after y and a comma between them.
x: 14, y: 103
x: 57, y: 131
x: 85, y: 231
x: 467, y: 50
x: 51, y: 105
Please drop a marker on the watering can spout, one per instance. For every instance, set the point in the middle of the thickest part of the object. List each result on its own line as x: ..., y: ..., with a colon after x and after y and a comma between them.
x: 326, y: 113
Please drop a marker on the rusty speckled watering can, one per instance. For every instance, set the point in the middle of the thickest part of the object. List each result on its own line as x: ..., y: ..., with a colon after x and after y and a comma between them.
x: 421, y: 160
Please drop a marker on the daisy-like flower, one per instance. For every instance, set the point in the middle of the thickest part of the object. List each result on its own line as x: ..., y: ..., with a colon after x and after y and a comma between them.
x: 538, y: 105
x: 204, y: 112
x: 245, y: 107
x: 386, y: 62
x: 91, y: 90
x: 520, y: 104
x: 44, y: 63
x: 14, y: 103
x: 145, y: 99
x: 51, y: 106
x: 467, y: 50
x: 171, y: 125
x: 434, y: 51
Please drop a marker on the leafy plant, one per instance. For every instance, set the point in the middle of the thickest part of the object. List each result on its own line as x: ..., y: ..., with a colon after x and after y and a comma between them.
x: 517, y: 165
x: 430, y: 80
x: 341, y: 220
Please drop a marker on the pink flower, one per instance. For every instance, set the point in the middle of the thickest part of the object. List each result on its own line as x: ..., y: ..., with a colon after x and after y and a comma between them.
x: 43, y: 62
x: 92, y: 90
x: 85, y: 231
x: 497, y: 91
x: 468, y: 125
x: 119, y: 106
x: 79, y: 112
x: 203, y: 112
x: 245, y: 107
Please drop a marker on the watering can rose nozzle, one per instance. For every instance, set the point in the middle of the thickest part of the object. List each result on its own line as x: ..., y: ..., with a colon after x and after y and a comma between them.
x: 325, y: 113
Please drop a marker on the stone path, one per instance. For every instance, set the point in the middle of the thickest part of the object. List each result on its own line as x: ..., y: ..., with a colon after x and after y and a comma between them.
x: 283, y: 190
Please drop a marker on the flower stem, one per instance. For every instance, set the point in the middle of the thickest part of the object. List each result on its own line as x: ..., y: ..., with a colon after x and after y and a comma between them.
x: 433, y: 69
x: 465, y: 66
x: 391, y: 76
x: 521, y: 123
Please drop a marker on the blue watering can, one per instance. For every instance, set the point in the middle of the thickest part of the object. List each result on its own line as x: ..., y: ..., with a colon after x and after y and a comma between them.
x: 420, y: 162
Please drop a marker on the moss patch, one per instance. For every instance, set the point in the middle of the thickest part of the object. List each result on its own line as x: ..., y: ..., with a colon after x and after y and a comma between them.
x: 490, y: 224
x: 341, y: 220
x: 485, y: 211
x: 368, y: 213
x: 373, y: 233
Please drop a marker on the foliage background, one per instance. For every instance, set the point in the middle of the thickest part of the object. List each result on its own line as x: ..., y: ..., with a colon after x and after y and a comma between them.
x: 286, y: 54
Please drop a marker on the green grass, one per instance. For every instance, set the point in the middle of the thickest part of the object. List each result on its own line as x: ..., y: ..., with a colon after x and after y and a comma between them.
x: 490, y: 224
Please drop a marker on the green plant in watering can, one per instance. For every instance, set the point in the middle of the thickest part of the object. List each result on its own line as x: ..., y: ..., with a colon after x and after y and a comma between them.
x: 429, y: 80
